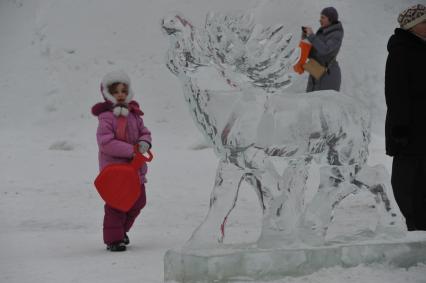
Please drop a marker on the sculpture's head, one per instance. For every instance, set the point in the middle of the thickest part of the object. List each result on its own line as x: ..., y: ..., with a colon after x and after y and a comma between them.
x: 174, y: 24
x: 183, y: 56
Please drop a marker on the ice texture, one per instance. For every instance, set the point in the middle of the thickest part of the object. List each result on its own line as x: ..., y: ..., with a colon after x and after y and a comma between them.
x: 248, y: 264
x: 234, y: 74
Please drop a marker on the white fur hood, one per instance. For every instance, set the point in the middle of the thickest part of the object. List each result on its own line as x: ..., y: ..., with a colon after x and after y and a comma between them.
x: 114, y: 77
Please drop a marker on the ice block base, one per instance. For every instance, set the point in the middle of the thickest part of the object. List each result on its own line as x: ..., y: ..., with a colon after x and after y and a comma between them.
x: 238, y: 263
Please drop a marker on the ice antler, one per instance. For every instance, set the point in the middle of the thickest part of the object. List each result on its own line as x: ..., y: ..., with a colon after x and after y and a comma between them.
x: 247, y: 53
x: 244, y: 53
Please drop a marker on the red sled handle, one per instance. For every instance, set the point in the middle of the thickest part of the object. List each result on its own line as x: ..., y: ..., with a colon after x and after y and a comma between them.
x: 139, y: 159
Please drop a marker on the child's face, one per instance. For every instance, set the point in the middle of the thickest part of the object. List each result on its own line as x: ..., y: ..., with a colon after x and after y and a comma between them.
x: 120, y: 92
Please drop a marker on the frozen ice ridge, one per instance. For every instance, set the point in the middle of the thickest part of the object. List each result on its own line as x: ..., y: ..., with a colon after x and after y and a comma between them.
x: 234, y: 73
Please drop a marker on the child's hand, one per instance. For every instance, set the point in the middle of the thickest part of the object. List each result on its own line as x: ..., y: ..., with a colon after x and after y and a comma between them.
x: 143, y: 147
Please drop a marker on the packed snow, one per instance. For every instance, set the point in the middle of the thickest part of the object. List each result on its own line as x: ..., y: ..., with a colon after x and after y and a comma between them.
x: 52, y: 57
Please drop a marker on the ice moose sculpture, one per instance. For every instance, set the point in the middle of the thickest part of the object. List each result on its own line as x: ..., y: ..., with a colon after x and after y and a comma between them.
x: 322, y: 134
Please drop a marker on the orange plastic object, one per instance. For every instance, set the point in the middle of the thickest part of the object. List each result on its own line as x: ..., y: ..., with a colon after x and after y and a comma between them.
x: 305, y: 48
x: 119, y: 184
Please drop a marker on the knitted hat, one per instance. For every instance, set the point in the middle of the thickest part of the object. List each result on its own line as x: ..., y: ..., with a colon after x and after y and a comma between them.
x: 331, y: 14
x: 412, y: 16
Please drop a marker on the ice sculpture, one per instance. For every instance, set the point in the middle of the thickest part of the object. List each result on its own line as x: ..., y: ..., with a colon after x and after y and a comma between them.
x: 233, y: 74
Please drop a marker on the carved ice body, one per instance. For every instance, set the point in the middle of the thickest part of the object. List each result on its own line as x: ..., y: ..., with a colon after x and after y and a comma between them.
x: 326, y: 132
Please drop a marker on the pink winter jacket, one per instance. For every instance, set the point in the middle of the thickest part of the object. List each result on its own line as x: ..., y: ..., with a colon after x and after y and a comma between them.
x: 113, y: 150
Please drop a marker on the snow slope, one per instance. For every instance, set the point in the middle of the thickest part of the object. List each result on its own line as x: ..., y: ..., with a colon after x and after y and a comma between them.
x: 52, y: 56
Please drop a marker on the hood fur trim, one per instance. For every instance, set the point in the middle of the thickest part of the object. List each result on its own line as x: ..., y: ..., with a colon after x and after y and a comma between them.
x: 118, y: 76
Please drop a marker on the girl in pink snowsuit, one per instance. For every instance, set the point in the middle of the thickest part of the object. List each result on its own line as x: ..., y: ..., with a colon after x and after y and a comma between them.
x: 120, y: 128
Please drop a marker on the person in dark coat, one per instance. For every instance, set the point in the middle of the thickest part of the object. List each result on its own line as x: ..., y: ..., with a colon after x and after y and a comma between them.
x: 405, y: 128
x: 326, y: 44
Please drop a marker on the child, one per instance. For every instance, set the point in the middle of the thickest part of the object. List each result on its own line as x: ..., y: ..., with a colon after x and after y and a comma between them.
x: 120, y: 128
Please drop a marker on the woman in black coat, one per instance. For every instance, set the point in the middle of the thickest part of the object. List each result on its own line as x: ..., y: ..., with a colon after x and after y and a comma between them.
x: 405, y: 129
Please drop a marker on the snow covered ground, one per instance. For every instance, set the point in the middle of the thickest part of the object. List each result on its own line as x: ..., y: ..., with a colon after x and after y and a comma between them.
x: 52, y: 56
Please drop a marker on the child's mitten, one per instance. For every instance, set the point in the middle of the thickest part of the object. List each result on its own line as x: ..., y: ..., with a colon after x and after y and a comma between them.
x: 143, y: 146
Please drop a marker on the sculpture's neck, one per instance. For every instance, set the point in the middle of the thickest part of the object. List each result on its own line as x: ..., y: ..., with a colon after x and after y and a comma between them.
x: 198, y: 100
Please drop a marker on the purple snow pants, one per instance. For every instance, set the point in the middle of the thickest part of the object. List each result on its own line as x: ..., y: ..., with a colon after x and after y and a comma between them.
x: 116, y: 222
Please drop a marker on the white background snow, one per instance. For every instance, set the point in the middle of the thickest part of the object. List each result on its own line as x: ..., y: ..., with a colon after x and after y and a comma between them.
x: 52, y: 57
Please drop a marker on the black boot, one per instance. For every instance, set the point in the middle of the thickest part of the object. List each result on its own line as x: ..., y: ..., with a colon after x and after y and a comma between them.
x: 126, y: 240
x: 117, y: 247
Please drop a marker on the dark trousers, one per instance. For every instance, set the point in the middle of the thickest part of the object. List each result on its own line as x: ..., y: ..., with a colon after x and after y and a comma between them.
x: 409, y: 188
x: 117, y: 222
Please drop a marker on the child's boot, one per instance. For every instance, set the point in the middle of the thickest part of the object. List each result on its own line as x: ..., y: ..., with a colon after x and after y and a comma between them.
x: 126, y: 239
x: 117, y: 247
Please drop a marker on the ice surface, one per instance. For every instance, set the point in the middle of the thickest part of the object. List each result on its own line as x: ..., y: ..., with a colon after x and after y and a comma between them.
x: 323, y: 134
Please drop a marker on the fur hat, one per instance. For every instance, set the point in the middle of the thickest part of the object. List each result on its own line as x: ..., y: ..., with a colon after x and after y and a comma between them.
x: 331, y: 14
x: 412, y: 16
x: 118, y: 76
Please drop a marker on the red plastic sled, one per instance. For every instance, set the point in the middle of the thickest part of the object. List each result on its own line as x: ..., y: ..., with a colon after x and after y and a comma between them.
x: 119, y: 184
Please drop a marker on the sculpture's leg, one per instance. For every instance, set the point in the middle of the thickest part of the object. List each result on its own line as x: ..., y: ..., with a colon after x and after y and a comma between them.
x: 377, y: 180
x: 266, y: 188
x: 335, y: 185
x: 222, y: 200
x: 263, y: 176
x: 266, y: 181
x: 281, y: 219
